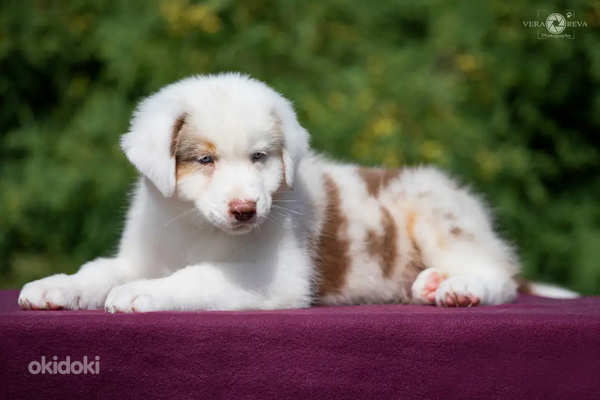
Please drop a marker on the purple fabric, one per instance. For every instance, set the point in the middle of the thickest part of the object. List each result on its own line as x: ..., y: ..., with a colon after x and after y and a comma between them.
x: 533, y: 349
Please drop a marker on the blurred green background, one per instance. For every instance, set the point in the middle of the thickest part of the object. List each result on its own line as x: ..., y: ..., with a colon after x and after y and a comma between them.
x: 463, y: 85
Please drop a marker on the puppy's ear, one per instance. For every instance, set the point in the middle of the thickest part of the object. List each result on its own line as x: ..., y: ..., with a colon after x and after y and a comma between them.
x: 288, y: 168
x: 149, y: 142
x: 296, y: 139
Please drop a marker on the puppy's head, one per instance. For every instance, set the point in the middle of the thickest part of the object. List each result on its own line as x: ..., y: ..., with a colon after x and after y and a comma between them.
x: 225, y: 142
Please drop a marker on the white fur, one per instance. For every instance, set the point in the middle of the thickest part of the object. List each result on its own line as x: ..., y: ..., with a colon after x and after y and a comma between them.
x: 181, y: 250
x: 542, y: 289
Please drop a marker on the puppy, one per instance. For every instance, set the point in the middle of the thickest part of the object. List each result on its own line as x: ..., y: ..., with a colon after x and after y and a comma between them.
x: 234, y: 212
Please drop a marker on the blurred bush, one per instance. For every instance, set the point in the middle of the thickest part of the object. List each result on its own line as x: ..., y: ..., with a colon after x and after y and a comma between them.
x: 464, y: 85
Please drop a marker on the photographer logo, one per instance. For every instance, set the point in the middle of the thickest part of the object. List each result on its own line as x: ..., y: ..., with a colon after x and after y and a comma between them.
x: 554, y: 25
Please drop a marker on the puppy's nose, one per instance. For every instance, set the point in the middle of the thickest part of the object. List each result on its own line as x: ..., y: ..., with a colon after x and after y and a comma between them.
x: 242, y: 210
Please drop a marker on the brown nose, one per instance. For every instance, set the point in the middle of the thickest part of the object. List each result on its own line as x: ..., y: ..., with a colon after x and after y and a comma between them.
x: 242, y: 210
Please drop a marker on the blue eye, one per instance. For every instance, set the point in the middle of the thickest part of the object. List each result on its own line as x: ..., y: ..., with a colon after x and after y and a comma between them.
x: 258, y: 156
x: 205, y: 160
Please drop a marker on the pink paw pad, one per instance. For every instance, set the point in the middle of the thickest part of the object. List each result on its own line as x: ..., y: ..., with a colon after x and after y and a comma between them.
x: 433, y: 282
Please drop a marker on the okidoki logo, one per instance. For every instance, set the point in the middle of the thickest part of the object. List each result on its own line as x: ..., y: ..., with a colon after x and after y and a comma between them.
x: 65, y: 367
x: 555, y: 25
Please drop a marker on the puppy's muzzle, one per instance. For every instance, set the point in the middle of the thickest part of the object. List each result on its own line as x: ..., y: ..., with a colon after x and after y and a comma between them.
x: 242, y: 210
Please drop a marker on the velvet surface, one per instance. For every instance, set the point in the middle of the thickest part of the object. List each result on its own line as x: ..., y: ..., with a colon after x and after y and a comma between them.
x: 535, y: 348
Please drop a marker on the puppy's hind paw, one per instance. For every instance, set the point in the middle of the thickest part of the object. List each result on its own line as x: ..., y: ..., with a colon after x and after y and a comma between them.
x: 425, y: 286
x: 460, y: 291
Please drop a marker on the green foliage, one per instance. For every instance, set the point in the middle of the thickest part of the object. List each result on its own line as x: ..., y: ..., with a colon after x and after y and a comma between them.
x: 464, y: 85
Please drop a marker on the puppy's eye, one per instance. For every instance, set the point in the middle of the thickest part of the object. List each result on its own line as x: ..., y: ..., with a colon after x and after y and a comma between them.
x: 206, y: 160
x: 258, y: 156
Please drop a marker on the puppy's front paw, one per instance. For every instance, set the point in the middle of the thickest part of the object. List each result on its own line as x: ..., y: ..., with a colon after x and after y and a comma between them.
x: 460, y: 291
x: 139, y: 296
x: 425, y: 286
x: 59, y: 292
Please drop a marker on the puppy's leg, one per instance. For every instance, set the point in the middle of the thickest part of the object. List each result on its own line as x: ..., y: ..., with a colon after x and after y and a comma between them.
x: 279, y: 278
x: 86, y: 289
x: 466, y: 272
x: 202, y: 287
x: 472, y: 283
x: 452, y: 235
x: 195, y: 287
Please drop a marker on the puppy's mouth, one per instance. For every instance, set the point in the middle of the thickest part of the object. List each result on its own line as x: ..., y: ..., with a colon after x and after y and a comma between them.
x: 237, y: 225
x: 240, y: 227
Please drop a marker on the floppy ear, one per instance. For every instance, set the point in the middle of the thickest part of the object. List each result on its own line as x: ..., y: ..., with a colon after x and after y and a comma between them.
x: 296, y: 140
x: 149, y: 140
x: 288, y: 168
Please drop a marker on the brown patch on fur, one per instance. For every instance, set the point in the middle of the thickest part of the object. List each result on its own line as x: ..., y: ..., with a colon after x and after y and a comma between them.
x: 524, y: 286
x: 332, y: 246
x: 185, y: 168
x: 277, y: 130
x: 187, y: 148
x: 415, y: 265
x: 377, y: 179
x: 460, y: 234
x: 456, y: 231
x: 389, y: 251
x: 193, y: 147
x: 384, y: 247
x: 177, y: 125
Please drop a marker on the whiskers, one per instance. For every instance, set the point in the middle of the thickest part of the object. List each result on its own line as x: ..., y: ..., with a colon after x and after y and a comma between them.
x: 279, y: 214
x: 285, y: 208
x: 185, y: 213
x: 196, y: 218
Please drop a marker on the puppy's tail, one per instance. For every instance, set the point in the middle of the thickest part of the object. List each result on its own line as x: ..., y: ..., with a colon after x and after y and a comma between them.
x: 545, y: 290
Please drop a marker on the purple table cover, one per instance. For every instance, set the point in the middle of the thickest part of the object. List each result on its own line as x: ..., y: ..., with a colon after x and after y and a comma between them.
x: 535, y: 348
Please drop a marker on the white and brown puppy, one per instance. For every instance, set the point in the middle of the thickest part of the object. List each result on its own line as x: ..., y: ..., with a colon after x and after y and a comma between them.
x: 233, y: 212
